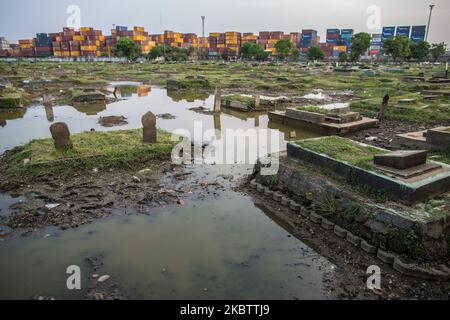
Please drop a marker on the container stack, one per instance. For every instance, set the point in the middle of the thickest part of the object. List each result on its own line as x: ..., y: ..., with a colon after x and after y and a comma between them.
x: 388, y: 32
x: 173, y: 39
x: 346, y: 37
x: 15, y: 50
x: 249, y: 37
x: 92, y: 42
x: 295, y: 38
x: 157, y: 38
x: 233, y: 43
x: 43, y: 45
x: 213, y: 43
x: 334, y: 36
x: 190, y: 40
x: 338, y: 50
x: 327, y: 48
x: 375, y: 45
x: 141, y: 38
x: 403, y: 31
x: 418, y: 33
x: 308, y: 39
x: 26, y: 48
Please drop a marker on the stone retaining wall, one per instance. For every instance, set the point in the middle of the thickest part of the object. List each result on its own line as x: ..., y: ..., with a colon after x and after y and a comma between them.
x: 388, y: 227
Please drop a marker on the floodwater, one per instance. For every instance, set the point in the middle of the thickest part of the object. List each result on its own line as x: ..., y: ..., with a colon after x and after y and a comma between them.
x: 216, y: 247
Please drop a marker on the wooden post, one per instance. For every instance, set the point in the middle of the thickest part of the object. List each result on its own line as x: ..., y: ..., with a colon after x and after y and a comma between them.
x: 218, y: 101
x: 384, y: 106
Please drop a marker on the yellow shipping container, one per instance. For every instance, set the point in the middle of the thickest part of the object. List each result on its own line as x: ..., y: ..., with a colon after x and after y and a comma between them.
x: 74, y: 53
x: 65, y: 53
x: 138, y: 38
x: 58, y: 39
x: 79, y: 38
x: 140, y: 29
x: 57, y: 53
x: 101, y: 38
x: 98, y: 54
x: 85, y: 29
x: 88, y: 48
x: 340, y: 48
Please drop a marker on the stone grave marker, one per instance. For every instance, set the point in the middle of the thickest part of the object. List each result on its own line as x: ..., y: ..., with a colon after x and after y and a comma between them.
x: 149, y: 124
x: 61, y: 136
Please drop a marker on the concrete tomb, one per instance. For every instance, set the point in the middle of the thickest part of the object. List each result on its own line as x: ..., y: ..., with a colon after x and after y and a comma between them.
x: 149, y: 124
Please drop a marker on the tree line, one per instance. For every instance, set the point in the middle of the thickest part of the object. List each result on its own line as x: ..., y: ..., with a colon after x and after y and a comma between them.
x: 399, y: 48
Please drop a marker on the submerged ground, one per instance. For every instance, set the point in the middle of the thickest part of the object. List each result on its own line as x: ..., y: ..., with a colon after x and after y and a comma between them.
x: 166, y: 231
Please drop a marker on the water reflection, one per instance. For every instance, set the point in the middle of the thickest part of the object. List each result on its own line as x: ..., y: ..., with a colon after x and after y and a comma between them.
x: 33, y: 122
x: 49, y: 112
x: 127, y: 90
x: 189, y: 96
x: 11, y: 114
x: 90, y: 109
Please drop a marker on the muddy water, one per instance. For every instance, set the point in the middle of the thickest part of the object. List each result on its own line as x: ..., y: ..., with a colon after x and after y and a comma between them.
x: 225, y: 245
x: 216, y: 246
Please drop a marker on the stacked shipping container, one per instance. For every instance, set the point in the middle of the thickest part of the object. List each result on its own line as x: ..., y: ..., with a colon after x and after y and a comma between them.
x: 88, y: 42
x: 309, y: 38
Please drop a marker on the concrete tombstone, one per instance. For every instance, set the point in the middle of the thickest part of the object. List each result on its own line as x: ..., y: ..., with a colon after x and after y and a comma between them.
x: 149, y: 125
x: 61, y: 136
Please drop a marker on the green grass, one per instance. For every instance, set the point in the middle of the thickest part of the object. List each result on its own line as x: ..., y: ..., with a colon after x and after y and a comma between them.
x: 115, y: 149
x: 249, y: 101
x: 12, y: 98
x: 344, y: 150
x: 314, y: 109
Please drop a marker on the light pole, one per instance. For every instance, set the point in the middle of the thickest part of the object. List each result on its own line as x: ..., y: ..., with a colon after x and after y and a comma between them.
x: 203, y: 36
x: 429, y: 20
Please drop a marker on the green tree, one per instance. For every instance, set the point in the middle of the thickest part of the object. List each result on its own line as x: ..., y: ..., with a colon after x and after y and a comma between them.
x: 420, y: 50
x: 438, y: 50
x: 295, y: 53
x: 343, y: 57
x: 360, y: 44
x: 284, y: 48
x: 247, y: 50
x: 398, y: 48
x: 156, y: 52
x: 127, y: 48
x: 251, y: 50
x: 315, y: 53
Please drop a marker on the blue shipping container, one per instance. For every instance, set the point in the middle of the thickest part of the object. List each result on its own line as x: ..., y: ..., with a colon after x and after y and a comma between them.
x: 333, y: 31
x: 403, y: 31
x: 418, y: 33
x: 388, y: 32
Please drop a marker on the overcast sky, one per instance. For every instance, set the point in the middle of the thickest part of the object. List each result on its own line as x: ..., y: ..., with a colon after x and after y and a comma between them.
x: 21, y: 19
